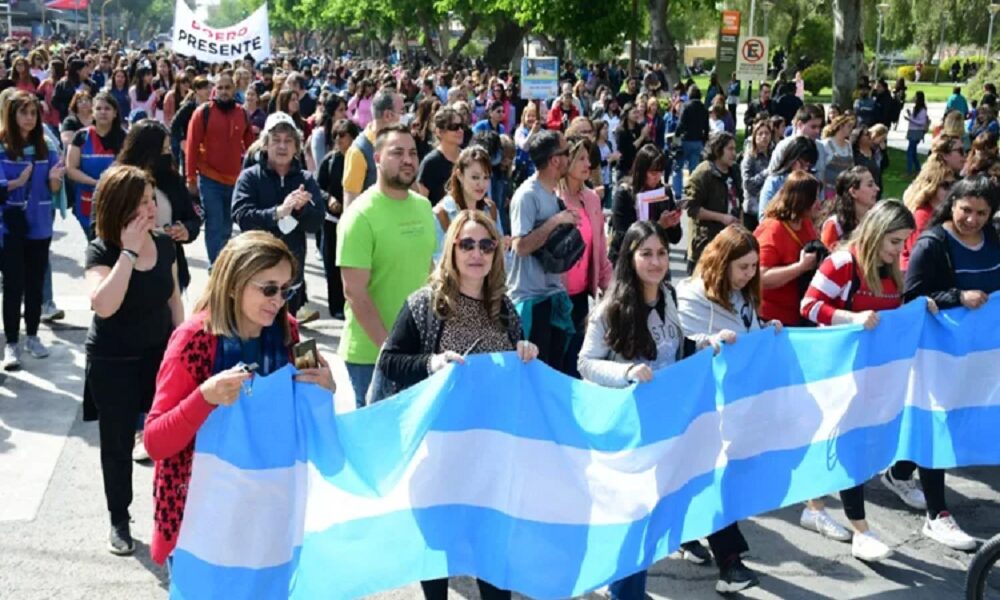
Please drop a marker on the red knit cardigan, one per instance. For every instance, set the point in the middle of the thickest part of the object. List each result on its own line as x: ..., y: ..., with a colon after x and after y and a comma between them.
x: 178, y: 411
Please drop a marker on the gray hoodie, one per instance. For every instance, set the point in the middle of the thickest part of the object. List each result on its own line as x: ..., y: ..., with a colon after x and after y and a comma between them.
x: 701, y: 318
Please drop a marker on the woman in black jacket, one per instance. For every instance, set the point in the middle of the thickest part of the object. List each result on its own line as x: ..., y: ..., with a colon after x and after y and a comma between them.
x: 329, y: 176
x: 147, y: 146
x: 646, y: 175
x: 463, y: 310
x: 955, y: 262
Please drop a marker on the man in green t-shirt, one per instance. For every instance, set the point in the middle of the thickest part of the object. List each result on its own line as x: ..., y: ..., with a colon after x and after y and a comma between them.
x: 385, y: 244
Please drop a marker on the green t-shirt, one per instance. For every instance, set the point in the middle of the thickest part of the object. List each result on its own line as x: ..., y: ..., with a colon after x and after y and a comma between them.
x: 395, y: 240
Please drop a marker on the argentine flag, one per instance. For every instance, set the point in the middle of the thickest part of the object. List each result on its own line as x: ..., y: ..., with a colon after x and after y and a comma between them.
x: 554, y: 487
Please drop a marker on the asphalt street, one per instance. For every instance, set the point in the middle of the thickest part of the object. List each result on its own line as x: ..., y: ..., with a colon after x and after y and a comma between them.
x: 53, y: 524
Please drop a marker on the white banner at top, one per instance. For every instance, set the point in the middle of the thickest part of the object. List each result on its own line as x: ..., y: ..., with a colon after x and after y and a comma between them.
x: 215, y: 45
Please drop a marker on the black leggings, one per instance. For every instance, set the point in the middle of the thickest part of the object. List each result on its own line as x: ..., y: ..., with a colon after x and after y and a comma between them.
x: 931, y: 480
x: 334, y: 284
x: 581, y: 307
x: 853, y: 500
x: 551, y: 340
x: 437, y: 589
x: 727, y: 544
x: 24, y: 264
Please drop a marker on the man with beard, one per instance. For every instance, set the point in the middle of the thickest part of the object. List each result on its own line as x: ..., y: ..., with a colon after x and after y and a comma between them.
x: 219, y: 133
x: 535, y: 212
x: 385, y: 245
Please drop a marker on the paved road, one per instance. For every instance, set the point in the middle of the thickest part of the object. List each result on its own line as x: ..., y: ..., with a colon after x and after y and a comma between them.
x: 53, y: 523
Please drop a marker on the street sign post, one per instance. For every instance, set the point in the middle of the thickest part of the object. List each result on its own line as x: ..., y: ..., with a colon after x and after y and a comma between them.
x: 727, y: 46
x: 751, y: 59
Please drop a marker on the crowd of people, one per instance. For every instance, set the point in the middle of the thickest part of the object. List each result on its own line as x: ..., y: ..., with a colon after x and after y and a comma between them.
x: 453, y: 215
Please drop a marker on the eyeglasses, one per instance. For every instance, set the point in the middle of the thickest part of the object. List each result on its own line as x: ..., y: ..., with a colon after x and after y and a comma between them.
x: 486, y: 245
x: 454, y: 126
x: 270, y: 289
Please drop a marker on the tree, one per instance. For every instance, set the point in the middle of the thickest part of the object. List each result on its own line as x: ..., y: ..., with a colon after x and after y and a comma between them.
x: 848, y: 49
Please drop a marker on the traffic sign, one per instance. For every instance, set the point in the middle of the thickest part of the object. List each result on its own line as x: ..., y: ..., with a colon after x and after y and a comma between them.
x: 751, y: 59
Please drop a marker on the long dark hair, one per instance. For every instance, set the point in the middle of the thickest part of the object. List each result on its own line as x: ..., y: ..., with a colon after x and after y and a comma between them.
x: 626, y: 312
x: 919, y: 103
x: 844, y: 204
x: 978, y: 186
x: 648, y: 158
x: 142, y: 91
x: 329, y: 108
x: 107, y: 98
x: 143, y: 145
x: 800, y: 147
x: 10, y: 135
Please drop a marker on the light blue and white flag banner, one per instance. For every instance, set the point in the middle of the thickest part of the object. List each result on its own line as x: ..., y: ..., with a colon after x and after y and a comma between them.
x: 553, y: 487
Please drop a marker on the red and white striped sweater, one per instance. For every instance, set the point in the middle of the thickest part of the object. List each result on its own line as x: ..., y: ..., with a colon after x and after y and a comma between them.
x: 832, y: 289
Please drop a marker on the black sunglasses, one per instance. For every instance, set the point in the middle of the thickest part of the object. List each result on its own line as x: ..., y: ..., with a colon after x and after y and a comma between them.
x: 486, y: 245
x: 454, y: 126
x: 270, y: 289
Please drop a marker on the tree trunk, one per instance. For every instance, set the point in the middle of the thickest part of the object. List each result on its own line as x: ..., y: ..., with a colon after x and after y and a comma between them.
x: 471, y: 24
x: 507, y: 38
x: 796, y: 15
x: 662, y: 46
x: 428, y: 31
x: 553, y: 47
x: 848, y: 49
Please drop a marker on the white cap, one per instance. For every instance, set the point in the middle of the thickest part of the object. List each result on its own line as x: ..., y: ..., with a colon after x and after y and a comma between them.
x: 278, y: 118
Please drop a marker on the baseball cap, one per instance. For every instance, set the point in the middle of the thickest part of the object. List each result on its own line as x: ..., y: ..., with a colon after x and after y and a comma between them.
x: 276, y: 119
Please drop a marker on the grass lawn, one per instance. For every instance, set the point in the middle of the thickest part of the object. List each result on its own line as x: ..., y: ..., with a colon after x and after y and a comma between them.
x: 894, y: 180
x: 932, y: 92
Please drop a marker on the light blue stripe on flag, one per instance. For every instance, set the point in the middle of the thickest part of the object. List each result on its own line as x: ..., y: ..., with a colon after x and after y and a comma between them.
x: 554, y: 487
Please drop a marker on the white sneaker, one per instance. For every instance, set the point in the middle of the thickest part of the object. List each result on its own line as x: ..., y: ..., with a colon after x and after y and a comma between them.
x: 822, y: 523
x: 139, y: 453
x: 907, y: 490
x: 11, y: 357
x: 868, y: 547
x: 945, y: 530
x: 35, y: 347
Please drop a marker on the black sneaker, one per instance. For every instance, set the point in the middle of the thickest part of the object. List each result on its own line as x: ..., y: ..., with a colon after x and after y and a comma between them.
x: 694, y: 552
x: 120, y: 540
x: 735, y: 577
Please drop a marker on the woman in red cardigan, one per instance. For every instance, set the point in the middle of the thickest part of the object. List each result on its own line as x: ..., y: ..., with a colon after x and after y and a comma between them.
x: 241, y: 318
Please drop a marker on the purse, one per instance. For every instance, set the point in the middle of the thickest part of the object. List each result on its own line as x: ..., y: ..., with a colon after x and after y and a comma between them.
x: 562, y: 249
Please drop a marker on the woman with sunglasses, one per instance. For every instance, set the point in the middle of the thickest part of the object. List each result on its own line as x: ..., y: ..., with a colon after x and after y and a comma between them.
x: 436, y: 168
x: 241, y: 319
x: 463, y: 310
x: 329, y: 177
x: 591, y: 275
x: 132, y: 275
x: 925, y: 194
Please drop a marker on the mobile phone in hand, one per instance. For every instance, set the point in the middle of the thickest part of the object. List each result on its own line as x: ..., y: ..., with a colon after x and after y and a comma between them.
x: 306, y: 354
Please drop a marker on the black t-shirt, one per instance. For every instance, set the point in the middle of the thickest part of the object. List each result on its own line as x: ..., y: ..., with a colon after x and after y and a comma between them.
x: 71, y: 123
x: 435, y: 170
x: 113, y: 141
x: 143, y: 322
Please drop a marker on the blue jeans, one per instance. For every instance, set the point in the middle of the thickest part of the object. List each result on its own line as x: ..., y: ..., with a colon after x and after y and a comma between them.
x: 632, y: 587
x: 361, y: 380
x: 912, y: 162
x: 690, y: 157
x: 218, y: 200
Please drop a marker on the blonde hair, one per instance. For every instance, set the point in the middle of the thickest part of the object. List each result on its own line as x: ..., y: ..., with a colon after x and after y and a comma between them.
x: 243, y: 257
x: 445, y: 279
x: 953, y: 124
x: 836, y: 124
x: 884, y: 218
x: 924, y: 188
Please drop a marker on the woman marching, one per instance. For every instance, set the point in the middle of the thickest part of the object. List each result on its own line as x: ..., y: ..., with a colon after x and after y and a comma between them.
x: 92, y: 151
x: 955, y: 262
x: 463, y: 310
x: 634, y: 332
x: 241, y: 317
x: 852, y: 286
x: 132, y: 277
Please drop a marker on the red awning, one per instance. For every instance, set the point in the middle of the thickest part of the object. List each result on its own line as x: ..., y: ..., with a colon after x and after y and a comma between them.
x: 67, y: 4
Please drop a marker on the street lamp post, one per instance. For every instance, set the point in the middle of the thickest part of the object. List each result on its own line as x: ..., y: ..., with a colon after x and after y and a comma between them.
x: 882, y: 7
x: 994, y: 9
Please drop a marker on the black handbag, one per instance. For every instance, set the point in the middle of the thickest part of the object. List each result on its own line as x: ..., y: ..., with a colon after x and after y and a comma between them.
x: 562, y: 249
